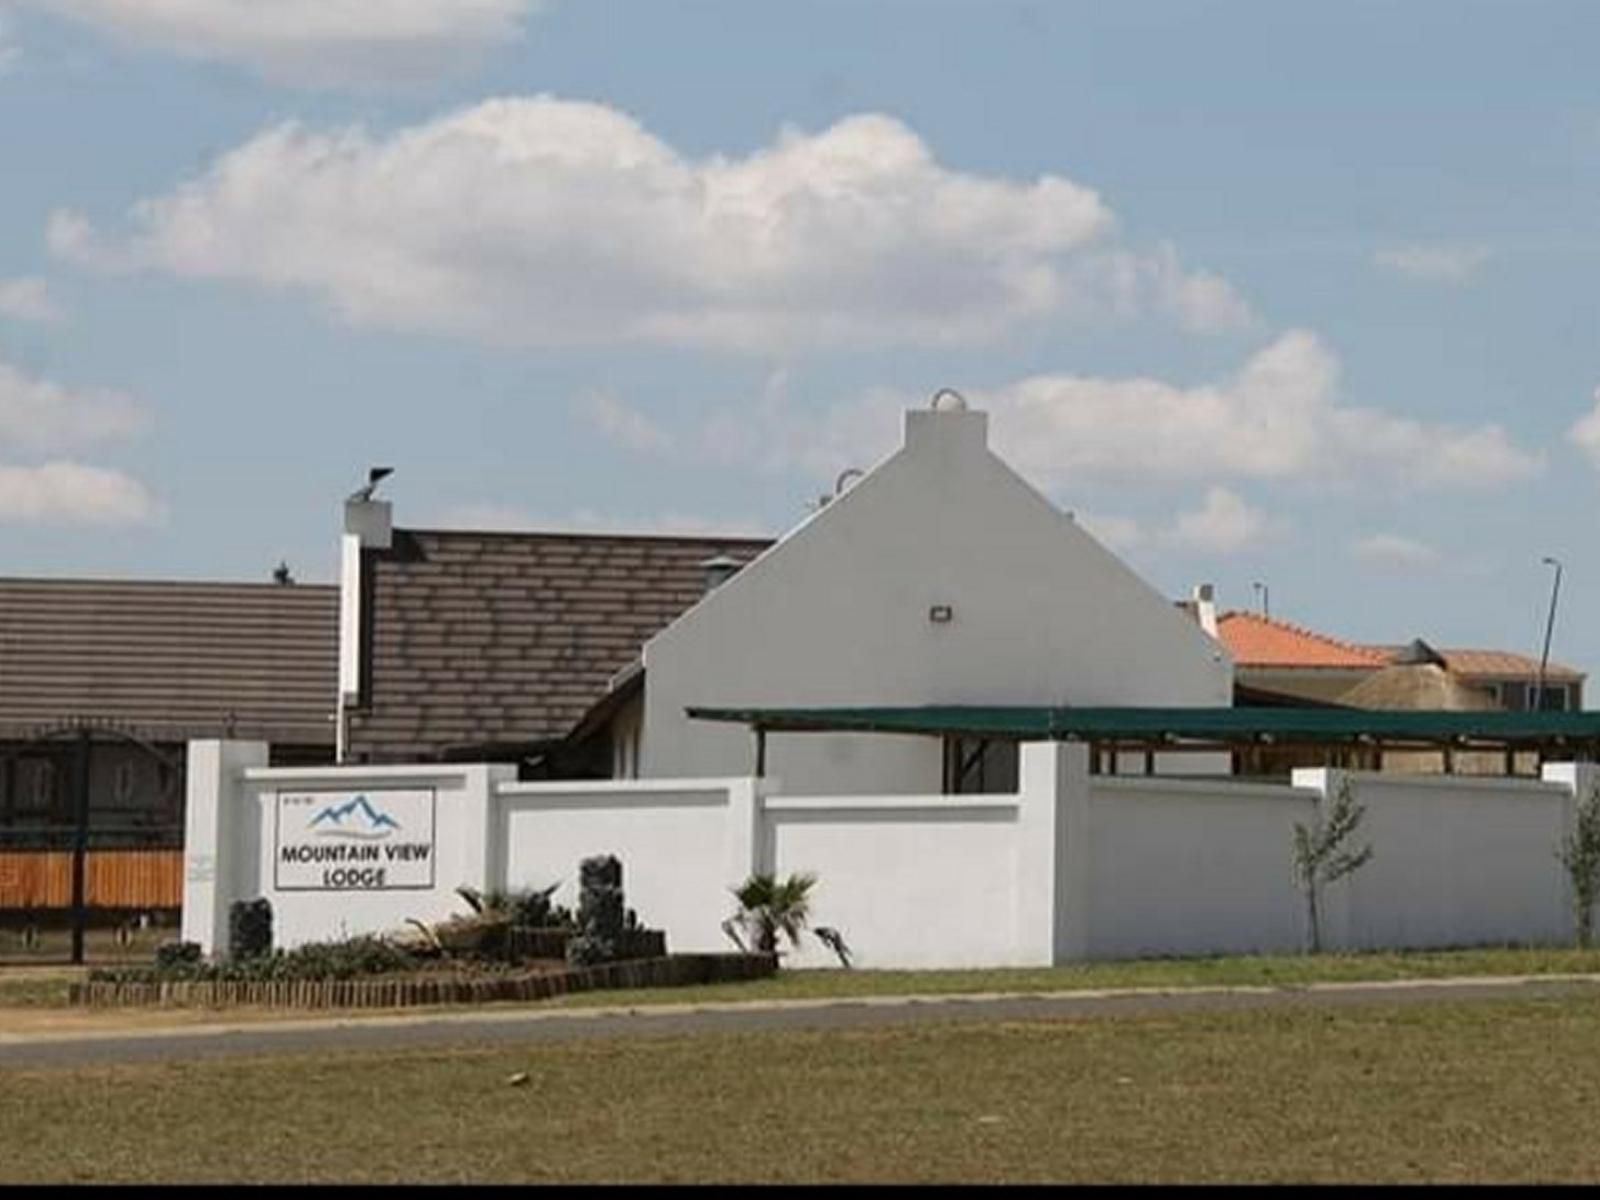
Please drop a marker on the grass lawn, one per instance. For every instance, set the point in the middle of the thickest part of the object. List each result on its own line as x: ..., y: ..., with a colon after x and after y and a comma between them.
x: 1454, y: 1091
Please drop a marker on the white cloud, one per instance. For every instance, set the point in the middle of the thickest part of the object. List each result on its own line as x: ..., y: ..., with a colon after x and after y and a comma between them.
x: 1132, y: 283
x: 1391, y: 549
x: 625, y: 425
x: 1280, y: 418
x: 28, y: 299
x: 539, y: 221
x: 1223, y: 524
x: 504, y: 518
x: 39, y: 415
x: 1433, y: 264
x: 66, y: 493
x: 1586, y: 433
x: 317, y: 42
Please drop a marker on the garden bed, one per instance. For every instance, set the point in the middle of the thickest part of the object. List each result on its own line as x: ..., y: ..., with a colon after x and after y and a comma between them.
x: 678, y: 970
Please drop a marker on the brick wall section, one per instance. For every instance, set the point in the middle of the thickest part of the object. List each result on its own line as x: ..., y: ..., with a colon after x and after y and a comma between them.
x: 481, y: 639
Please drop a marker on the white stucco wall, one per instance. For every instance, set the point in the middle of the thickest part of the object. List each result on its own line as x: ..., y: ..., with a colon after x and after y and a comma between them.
x: 1192, y: 868
x: 1456, y: 861
x: 682, y: 844
x: 837, y: 614
x: 908, y: 881
x: 1070, y: 867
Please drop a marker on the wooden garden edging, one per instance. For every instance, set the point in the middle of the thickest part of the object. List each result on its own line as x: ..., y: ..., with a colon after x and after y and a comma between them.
x: 678, y: 970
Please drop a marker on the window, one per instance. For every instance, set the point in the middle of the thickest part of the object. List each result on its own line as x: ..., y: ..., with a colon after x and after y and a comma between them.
x: 1520, y: 697
x: 1555, y: 698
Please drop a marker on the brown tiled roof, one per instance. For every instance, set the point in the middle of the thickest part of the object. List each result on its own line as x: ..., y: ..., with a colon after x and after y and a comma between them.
x: 1257, y: 641
x: 170, y: 660
x: 498, y: 639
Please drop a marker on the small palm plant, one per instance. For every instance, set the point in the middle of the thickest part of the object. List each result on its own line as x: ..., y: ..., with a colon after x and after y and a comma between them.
x: 1321, y: 856
x: 769, y: 906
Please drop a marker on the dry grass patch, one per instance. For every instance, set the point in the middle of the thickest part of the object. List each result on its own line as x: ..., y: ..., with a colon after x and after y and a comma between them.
x: 1458, y: 1091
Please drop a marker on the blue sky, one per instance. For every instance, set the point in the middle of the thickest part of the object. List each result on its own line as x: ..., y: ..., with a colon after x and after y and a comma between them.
x: 1294, y: 293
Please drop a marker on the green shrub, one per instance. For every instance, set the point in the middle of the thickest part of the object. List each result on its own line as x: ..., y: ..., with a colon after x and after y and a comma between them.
x: 173, y: 956
x: 353, y: 958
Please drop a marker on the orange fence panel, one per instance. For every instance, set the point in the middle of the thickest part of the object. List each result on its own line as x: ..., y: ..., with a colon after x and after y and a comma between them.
x: 42, y: 879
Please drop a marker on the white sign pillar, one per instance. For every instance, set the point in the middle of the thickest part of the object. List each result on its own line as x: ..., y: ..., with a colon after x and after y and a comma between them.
x: 214, y: 810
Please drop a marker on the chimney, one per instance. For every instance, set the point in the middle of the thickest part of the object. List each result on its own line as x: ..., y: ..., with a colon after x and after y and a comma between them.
x: 369, y: 521
x: 1205, y: 607
x: 368, y: 525
x: 946, y: 430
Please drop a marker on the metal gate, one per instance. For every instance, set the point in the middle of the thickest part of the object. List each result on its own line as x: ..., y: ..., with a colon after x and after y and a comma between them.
x: 91, y: 845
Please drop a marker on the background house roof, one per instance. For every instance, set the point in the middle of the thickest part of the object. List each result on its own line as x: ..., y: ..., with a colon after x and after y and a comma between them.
x: 170, y: 660
x: 508, y: 639
x: 1502, y: 664
x: 1258, y: 641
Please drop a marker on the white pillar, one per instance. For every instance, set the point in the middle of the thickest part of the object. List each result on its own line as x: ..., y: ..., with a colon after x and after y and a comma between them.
x: 483, y: 844
x: 1053, y: 854
x: 216, y: 836
x: 1578, y: 778
x: 744, y: 852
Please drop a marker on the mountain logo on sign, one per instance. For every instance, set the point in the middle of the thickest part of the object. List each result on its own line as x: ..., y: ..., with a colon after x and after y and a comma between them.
x: 368, y: 824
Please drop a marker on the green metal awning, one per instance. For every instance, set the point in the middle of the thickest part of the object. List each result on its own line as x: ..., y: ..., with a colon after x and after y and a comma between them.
x: 1166, y: 726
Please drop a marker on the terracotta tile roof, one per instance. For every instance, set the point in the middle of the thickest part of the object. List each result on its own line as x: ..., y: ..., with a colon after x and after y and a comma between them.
x: 482, y: 639
x: 1257, y: 641
x: 170, y: 659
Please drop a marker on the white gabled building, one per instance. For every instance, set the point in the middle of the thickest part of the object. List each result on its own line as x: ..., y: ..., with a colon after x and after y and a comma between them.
x: 941, y: 578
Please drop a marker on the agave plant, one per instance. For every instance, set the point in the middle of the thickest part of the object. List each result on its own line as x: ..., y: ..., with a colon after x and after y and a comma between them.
x: 769, y: 906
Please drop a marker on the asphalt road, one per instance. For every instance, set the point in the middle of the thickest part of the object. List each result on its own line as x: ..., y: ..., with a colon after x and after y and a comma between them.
x: 544, y: 1025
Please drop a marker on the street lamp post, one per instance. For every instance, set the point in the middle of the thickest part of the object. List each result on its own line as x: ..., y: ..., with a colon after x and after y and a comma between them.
x: 1266, y: 598
x: 1549, y: 631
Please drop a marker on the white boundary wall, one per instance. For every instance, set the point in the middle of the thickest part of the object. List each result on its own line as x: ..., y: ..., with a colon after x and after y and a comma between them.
x: 1192, y: 868
x: 1071, y: 867
x: 682, y: 845
x: 1456, y: 861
